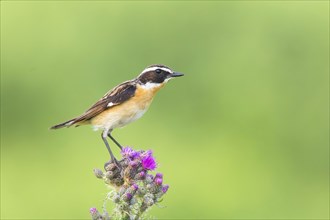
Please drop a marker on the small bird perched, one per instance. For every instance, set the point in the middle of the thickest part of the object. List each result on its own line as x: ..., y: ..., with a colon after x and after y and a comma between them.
x: 123, y: 104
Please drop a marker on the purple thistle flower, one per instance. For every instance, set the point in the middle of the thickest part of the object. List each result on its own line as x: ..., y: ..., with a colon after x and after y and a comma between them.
x: 93, y: 211
x: 142, y: 174
x: 147, y: 153
x: 159, y: 175
x: 165, y: 188
x: 137, y: 190
x: 125, y: 152
x: 133, y: 163
x: 135, y: 186
x: 148, y: 162
x: 149, y: 178
x: 158, y: 181
x: 134, y: 155
x: 128, y: 196
x: 129, y: 153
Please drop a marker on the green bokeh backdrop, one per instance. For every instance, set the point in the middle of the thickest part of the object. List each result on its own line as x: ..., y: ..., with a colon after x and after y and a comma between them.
x: 244, y: 134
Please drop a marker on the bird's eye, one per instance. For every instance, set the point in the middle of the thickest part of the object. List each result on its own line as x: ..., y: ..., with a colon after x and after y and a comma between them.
x: 158, y: 70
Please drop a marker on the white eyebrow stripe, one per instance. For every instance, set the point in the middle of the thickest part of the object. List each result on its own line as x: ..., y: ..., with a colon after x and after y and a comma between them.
x: 156, y: 67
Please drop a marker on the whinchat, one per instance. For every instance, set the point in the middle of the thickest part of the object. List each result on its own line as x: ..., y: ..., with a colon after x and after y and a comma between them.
x: 124, y: 104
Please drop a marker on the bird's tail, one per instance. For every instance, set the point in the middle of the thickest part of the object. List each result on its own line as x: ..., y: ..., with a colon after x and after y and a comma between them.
x: 64, y: 124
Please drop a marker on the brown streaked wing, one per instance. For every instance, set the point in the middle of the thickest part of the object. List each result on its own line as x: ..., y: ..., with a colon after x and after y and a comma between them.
x: 117, y: 95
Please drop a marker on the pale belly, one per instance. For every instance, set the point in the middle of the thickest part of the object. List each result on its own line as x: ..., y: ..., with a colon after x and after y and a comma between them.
x: 130, y: 117
x: 117, y: 117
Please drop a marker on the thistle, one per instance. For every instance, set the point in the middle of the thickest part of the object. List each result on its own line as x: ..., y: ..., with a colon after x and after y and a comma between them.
x: 134, y: 189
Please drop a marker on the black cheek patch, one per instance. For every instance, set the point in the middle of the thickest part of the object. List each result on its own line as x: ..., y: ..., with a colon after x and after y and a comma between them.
x: 153, y: 77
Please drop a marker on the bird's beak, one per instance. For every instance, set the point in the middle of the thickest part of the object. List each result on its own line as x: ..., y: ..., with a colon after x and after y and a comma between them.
x: 176, y: 74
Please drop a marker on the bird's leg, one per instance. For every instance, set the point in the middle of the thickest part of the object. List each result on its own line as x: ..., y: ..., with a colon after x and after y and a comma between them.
x: 114, y: 140
x: 112, y: 157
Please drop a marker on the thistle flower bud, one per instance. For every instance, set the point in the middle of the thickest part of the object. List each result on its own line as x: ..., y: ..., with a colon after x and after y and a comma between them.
x: 152, y: 188
x: 149, y: 178
x: 165, y: 188
x: 158, y: 181
x: 148, y: 186
x: 123, y: 206
x: 140, y: 176
x: 135, y: 187
x: 132, y: 189
x: 141, y: 191
x: 95, y: 214
x: 129, y: 173
x: 159, y: 175
x: 133, y: 163
x: 110, y: 166
x: 149, y: 201
x: 117, y: 181
x: 93, y: 211
x: 109, y: 174
x: 127, y: 197
x: 98, y: 173
x: 124, y: 162
x: 149, y: 195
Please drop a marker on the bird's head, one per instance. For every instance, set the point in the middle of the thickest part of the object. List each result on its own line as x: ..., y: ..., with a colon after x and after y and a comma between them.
x: 157, y: 75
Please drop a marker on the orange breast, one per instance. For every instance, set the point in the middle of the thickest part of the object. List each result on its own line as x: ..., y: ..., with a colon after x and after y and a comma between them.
x: 127, y: 112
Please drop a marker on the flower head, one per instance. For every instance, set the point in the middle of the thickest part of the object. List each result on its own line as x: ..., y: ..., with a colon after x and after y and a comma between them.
x: 98, y: 173
x: 133, y: 163
x: 125, y: 151
x: 128, y: 196
x: 159, y: 175
x: 158, y: 181
x: 165, y: 188
x: 148, y: 162
x: 129, y: 153
x: 136, y: 190
x: 135, y: 186
x: 146, y: 153
x: 141, y: 175
x: 93, y: 211
x: 134, y: 155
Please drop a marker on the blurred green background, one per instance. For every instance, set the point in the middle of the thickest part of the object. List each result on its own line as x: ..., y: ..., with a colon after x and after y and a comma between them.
x: 244, y: 134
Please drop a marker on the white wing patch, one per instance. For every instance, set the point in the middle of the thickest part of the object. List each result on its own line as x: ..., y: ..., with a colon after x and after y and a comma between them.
x: 110, y: 104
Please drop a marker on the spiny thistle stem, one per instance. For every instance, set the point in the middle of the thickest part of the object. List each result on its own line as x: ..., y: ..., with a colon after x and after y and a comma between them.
x: 134, y: 189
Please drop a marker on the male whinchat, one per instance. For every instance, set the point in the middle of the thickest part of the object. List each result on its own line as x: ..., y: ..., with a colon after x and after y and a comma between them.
x: 124, y: 104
